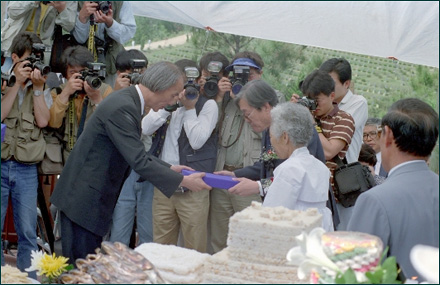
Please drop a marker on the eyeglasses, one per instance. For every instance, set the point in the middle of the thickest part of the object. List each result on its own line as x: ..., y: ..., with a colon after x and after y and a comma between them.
x: 249, y: 115
x: 372, y: 135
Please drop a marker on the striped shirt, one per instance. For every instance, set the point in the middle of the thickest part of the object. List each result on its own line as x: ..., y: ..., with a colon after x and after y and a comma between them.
x: 337, y: 125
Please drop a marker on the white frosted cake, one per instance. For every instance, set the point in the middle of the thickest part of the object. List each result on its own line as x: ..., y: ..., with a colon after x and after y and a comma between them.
x: 175, y: 264
x: 258, y: 241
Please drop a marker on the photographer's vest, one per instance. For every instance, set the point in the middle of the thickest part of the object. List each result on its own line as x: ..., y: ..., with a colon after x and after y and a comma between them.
x: 23, y: 138
x: 113, y: 47
x: 203, y: 159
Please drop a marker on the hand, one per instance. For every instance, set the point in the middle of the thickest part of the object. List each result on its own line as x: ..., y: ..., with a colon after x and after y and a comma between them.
x: 104, y: 18
x: 38, y: 80
x: 58, y: 5
x: 74, y: 84
x: 122, y: 82
x: 4, y: 85
x: 188, y: 103
x: 179, y: 168
x: 87, y: 9
x: 245, y: 187
x: 224, y: 85
x: 195, y: 183
x: 225, y: 173
x: 93, y: 94
x: 294, y: 98
x: 22, y: 73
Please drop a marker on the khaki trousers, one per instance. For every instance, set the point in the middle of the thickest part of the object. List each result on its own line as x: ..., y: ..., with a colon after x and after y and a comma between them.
x: 223, y: 206
x: 183, y: 211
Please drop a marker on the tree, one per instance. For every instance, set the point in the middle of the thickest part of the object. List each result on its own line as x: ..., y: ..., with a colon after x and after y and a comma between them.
x: 227, y: 44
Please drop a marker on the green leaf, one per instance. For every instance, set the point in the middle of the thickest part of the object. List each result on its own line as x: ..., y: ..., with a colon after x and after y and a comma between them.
x: 390, y: 270
x: 376, y: 276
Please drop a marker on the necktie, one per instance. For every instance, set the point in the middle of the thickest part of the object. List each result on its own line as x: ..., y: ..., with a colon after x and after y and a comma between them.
x: 83, y: 117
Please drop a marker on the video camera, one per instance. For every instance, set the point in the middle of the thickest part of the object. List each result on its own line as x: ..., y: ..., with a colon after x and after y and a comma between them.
x: 192, y: 89
x: 37, y: 59
x: 136, y: 67
x: 93, y: 74
x: 308, y: 103
x: 211, y: 84
x: 240, y: 78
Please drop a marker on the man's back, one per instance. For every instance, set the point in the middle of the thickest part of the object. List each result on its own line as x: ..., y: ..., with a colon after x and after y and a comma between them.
x: 403, y: 212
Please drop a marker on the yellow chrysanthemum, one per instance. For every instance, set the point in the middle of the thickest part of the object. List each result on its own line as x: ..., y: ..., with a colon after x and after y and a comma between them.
x: 52, y: 266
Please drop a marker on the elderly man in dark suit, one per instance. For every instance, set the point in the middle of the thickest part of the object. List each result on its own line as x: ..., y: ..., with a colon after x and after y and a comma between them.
x: 110, y: 145
x: 404, y: 210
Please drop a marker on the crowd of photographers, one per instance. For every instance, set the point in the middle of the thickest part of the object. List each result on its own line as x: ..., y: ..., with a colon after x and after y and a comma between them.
x: 221, y: 122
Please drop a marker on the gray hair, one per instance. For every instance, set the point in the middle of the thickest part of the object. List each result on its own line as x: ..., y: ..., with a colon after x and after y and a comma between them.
x: 373, y: 122
x: 161, y: 76
x: 293, y: 119
x: 257, y: 93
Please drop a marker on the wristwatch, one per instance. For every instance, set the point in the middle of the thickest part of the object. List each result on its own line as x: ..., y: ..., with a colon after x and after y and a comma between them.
x: 37, y: 93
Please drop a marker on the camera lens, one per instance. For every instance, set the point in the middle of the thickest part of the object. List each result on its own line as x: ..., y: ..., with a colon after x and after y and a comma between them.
x: 94, y: 82
x: 211, y: 88
x: 103, y: 6
x: 191, y: 93
x: 44, y: 69
x: 236, y: 87
x: 10, y: 79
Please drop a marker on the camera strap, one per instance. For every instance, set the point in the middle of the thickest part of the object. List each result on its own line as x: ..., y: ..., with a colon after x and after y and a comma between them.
x: 71, y: 140
x: 91, y: 43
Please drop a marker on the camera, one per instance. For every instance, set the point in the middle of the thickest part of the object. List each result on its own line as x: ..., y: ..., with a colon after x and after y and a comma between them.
x: 191, y: 87
x: 240, y: 78
x: 136, y: 67
x: 36, y: 59
x: 211, y: 87
x: 308, y: 103
x: 103, y: 6
x: 93, y: 74
x: 9, y: 78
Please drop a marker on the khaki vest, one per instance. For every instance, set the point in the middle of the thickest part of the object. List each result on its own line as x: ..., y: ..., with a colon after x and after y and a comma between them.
x: 23, y: 138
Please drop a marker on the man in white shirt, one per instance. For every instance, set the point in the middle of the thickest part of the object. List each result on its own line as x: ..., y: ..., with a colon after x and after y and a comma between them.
x: 189, y: 138
x: 356, y: 105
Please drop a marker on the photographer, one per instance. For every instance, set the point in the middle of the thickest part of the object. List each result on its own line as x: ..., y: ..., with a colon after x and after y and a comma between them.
x: 184, y: 136
x: 335, y: 127
x: 130, y: 65
x: 115, y: 28
x: 39, y: 17
x: 76, y: 98
x: 24, y: 112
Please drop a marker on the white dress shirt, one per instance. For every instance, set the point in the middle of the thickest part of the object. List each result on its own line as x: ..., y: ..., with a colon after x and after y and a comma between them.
x: 197, y: 128
x: 357, y: 107
x: 378, y: 163
x: 301, y: 182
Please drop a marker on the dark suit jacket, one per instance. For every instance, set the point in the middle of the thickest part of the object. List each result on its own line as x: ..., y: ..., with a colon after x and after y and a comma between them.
x: 403, y: 211
x: 110, y: 145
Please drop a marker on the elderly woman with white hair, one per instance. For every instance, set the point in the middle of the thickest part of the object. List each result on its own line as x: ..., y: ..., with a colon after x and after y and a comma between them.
x: 301, y: 181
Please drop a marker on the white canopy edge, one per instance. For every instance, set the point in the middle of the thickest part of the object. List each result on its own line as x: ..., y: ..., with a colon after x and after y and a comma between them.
x: 405, y: 30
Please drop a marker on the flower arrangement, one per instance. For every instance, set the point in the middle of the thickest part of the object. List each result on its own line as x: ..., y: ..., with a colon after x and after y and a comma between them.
x: 314, y: 263
x: 48, y: 266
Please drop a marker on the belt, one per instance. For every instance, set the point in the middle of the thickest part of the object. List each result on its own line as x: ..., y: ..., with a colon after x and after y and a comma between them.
x: 181, y: 190
x: 231, y: 168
